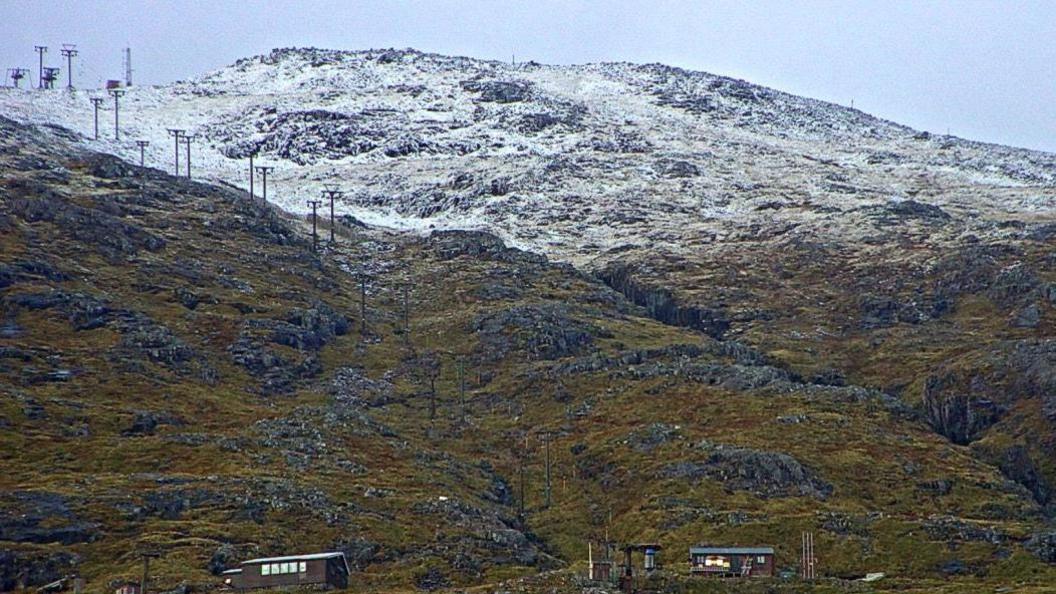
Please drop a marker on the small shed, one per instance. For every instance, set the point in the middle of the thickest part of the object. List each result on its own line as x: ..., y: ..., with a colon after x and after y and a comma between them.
x: 319, y: 569
x: 732, y: 561
x: 601, y: 570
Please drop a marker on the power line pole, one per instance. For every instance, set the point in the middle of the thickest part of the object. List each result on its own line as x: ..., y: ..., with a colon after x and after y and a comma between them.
x: 97, y: 102
x: 251, y: 196
x: 41, y: 50
x: 406, y: 315
x: 116, y: 93
x: 146, y: 571
x: 363, y: 305
x: 69, y: 52
x: 176, y: 133
x: 546, y: 442
x: 462, y: 386
x: 332, y: 192
x: 521, y: 461
x: 315, y: 236
x: 142, y: 144
x: 264, y: 179
x: 187, y: 139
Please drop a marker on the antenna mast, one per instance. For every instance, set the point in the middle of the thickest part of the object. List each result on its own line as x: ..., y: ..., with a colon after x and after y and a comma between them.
x: 126, y: 56
x: 40, y: 49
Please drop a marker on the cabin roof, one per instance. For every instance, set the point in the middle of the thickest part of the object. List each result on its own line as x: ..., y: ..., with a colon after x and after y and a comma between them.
x: 310, y: 557
x: 235, y: 571
x: 731, y: 550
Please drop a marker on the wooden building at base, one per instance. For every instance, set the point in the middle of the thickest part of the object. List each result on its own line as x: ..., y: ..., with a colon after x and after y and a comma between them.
x: 318, y: 569
x: 732, y: 561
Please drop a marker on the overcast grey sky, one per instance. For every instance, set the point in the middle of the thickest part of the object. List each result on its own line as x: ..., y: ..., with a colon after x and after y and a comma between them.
x: 982, y: 69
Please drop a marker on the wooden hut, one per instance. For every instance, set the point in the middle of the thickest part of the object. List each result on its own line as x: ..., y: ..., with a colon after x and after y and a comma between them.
x: 318, y: 569
x: 732, y: 561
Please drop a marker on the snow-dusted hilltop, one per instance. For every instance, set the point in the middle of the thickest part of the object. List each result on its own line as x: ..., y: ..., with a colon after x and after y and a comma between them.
x: 580, y: 162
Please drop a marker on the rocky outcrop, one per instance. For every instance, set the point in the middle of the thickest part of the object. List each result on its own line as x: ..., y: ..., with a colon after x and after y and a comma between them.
x: 961, y: 417
x: 42, y: 517
x: 479, y: 245
x: 141, y: 337
x: 660, y: 303
x: 499, y: 91
x: 650, y: 437
x: 113, y: 237
x: 951, y: 529
x: 306, y: 330
x: 545, y: 331
x: 1043, y: 545
x: 33, y: 569
x: 764, y: 474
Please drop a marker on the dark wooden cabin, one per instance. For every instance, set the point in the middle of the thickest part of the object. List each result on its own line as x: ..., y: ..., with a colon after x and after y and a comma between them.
x: 732, y: 561
x: 319, y: 569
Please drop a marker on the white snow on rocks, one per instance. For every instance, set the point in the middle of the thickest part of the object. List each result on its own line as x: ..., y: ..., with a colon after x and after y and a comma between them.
x: 583, y: 163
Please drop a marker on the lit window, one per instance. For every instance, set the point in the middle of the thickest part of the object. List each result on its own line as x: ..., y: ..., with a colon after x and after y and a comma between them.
x: 760, y: 559
x: 275, y: 569
x: 717, y: 561
x: 304, y: 567
x: 265, y: 569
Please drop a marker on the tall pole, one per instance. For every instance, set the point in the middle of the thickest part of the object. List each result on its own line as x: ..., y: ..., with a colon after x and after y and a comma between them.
x: 142, y: 144
x: 332, y: 192
x: 176, y: 134
x: 406, y: 314
x: 521, y: 460
x: 315, y: 236
x: 187, y: 139
x: 97, y: 102
x: 146, y: 571
x: 546, y: 441
x: 462, y: 386
x: 251, y: 196
x: 68, y: 51
x: 363, y: 304
x: 40, y: 49
x: 116, y: 94
x: 264, y: 179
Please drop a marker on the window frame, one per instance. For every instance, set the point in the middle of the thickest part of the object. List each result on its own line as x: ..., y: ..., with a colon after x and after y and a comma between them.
x: 302, y: 567
x: 265, y: 569
x: 760, y: 559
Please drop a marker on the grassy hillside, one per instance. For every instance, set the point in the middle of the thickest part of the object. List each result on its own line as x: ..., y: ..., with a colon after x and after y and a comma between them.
x: 180, y: 373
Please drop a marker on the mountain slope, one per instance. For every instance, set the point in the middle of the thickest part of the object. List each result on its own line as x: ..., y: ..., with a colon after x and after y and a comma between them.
x: 787, y: 315
x: 181, y: 374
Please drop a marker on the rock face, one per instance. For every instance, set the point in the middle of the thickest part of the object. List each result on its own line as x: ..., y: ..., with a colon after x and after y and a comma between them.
x: 661, y: 304
x: 19, y: 568
x: 42, y: 517
x: 960, y: 417
x: 306, y: 330
x: 141, y: 337
x: 1043, y: 545
x: 765, y: 474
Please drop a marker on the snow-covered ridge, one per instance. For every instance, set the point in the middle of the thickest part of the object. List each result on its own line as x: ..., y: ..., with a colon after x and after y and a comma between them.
x: 581, y: 162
